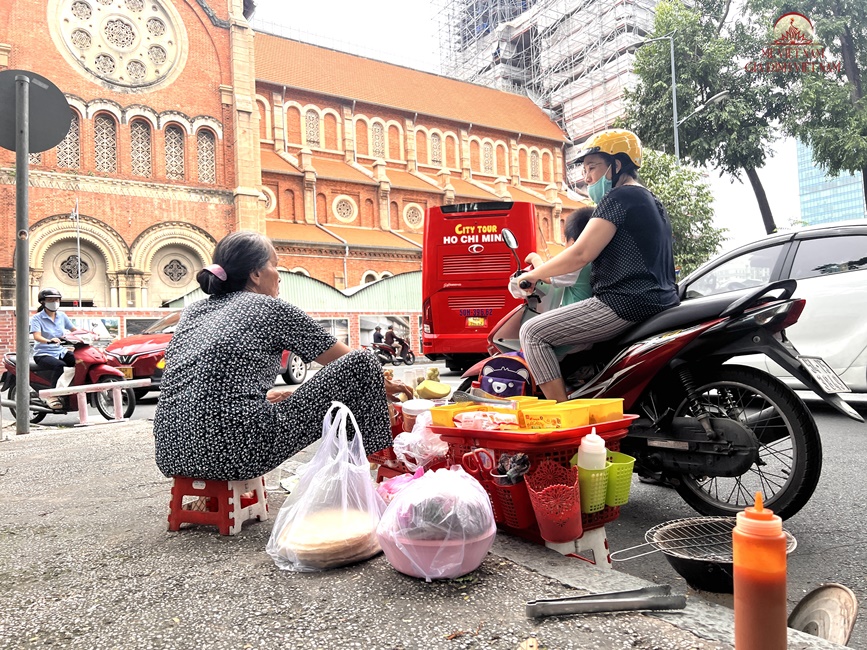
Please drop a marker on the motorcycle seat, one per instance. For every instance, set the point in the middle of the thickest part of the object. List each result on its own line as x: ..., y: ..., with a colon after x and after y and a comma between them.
x: 33, y: 366
x: 689, y: 312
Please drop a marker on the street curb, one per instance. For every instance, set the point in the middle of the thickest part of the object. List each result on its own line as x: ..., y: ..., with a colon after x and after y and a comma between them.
x: 701, y: 618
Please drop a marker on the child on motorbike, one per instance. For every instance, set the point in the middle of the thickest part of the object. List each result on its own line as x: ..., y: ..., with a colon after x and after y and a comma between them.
x: 47, y: 326
x: 629, y: 242
x: 576, y: 285
x: 218, y: 415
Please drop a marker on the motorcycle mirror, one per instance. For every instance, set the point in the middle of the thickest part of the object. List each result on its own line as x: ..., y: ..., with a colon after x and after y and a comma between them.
x: 510, y: 241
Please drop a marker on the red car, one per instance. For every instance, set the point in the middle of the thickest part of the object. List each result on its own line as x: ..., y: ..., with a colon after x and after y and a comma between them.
x: 142, y: 356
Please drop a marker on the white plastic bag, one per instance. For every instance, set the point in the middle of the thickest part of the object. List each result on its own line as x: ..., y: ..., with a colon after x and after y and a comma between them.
x: 420, y: 447
x: 439, y: 526
x: 330, y: 519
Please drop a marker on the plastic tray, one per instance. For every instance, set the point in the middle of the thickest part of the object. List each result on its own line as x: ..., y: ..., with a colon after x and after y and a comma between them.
x: 532, y: 436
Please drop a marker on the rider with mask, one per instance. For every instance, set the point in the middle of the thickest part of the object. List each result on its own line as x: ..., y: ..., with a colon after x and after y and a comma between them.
x: 629, y: 242
x: 47, y: 326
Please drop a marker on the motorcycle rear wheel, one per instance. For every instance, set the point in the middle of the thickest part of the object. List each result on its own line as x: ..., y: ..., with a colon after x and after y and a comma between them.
x: 104, y: 401
x: 790, y: 449
x: 35, y: 417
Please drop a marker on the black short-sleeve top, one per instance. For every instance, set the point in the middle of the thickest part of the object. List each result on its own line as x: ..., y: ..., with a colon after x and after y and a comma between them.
x: 634, y: 273
x: 222, y: 360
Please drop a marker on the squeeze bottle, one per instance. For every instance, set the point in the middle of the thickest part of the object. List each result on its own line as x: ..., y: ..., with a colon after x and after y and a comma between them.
x: 591, y: 452
x: 759, y: 546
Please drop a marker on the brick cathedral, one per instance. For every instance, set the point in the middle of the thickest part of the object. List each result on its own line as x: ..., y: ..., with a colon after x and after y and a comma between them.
x: 188, y: 125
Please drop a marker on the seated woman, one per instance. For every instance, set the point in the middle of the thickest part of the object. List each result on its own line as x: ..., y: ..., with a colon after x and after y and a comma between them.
x: 629, y: 242
x: 218, y: 415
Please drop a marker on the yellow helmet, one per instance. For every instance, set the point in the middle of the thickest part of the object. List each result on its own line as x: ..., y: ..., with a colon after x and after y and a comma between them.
x: 612, y: 142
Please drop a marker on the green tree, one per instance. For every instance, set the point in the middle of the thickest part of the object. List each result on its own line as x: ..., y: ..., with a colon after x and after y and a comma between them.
x: 828, y: 108
x: 732, y: 135
x: 688, y: 200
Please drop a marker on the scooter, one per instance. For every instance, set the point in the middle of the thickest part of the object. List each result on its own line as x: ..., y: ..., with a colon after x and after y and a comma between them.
x: 388, y: 354
x: 717, y: 432
x: 91, y: 367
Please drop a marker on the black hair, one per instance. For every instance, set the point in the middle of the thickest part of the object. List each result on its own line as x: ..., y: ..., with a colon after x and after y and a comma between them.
x: 627, y: 167
x: 577, y: 221
x: 239, y: 253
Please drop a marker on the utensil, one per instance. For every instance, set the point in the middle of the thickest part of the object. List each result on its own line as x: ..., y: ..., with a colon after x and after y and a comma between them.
x: 647, y: 598
x: 461, y: 396
x: 698, y: 548
x: 828, y: 612
x: 479, y: 463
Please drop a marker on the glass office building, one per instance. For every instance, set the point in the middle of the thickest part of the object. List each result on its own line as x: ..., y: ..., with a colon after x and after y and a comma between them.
x: 826, y: 198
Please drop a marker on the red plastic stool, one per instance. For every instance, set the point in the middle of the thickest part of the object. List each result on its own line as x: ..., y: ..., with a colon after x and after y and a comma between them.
x: 226, y: 509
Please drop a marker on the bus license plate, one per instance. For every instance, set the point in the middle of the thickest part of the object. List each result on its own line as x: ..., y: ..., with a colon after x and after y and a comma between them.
x: 476, y: 321
x: 824, y: 375
x: 126, y: 370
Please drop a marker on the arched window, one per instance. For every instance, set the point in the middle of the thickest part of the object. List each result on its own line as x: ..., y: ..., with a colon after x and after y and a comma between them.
x: 534, y: 165
x: 378, y: 140
x: 140, y: 148
x: 369, y: 277
x: 488, y: 158
x: 312, y: 121
x: 206, y: 151
x: 69, y: 150
x: 105, y: 143
x: 174, y: 153
x: 436, y: 149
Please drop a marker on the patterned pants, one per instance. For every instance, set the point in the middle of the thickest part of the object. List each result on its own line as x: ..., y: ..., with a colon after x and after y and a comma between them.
x: 356, y: 380
x: 580, y: 324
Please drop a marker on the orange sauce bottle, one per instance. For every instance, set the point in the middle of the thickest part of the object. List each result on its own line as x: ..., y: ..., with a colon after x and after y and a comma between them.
x: 759, y: 546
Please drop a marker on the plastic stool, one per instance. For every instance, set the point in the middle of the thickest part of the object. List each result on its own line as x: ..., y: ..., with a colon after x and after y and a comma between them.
x: 594, y: 541
x: 226, y: 509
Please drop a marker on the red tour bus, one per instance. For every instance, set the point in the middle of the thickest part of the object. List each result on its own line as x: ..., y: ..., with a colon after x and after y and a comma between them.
x: 465, y: 273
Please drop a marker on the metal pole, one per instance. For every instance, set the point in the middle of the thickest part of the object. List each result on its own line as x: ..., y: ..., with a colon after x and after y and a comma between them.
x: 674, y: 100
x: 22, y: 253
x: 78, y: 244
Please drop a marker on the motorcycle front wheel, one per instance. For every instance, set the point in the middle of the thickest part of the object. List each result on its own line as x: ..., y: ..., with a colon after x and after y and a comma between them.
x: 409, y: 358
x: 790, y: 449
x: 104, y: 401
x: 35, y: 417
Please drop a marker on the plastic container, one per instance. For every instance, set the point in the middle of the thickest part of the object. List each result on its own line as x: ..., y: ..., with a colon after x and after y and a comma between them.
x: 759, y: 554
x: 592, y: 472
x: 619, y: 478
x: 565, y: 415
x: 556, y: 499
x: 445, y: 559
x: 602, y: 410
x: 412, y: 409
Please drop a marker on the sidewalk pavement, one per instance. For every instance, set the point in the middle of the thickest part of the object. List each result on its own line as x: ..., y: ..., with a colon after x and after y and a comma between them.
x: 86, y: 562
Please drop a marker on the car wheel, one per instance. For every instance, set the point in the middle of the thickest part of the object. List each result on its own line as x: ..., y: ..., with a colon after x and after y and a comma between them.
x: 296, y: 371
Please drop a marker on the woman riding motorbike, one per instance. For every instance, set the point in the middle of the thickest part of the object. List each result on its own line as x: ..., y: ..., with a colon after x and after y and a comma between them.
x: 47, y: 326
x: 629, y: 242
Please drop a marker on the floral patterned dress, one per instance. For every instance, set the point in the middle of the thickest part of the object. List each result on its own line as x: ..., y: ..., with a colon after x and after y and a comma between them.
x: 213, y: 421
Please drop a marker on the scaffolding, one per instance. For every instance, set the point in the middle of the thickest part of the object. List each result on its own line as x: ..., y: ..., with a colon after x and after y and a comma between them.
x: 574, y: 58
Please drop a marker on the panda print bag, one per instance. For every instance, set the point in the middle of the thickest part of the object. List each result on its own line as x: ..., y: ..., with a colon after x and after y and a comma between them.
x: 507, y: 375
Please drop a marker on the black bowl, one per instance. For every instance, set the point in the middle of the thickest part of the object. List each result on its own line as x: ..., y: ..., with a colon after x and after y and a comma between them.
x: 705, y: 575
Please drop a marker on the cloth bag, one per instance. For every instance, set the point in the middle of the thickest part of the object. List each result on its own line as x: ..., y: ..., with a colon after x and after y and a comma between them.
x: 330, y: 519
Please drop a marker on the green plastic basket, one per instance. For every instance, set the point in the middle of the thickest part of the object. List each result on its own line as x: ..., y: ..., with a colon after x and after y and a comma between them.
x: 619, y: 478
x: 593, y: 485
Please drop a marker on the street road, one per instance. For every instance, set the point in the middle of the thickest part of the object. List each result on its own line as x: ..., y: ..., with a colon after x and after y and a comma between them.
x: 832, y: 540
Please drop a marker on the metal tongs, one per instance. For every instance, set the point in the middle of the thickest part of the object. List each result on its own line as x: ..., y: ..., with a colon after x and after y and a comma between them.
x: 647, y: 598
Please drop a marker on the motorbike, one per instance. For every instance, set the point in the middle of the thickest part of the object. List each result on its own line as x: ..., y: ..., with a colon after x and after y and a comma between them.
x: 716, y: 431
x: 91, y: 367
x: 388, y: 354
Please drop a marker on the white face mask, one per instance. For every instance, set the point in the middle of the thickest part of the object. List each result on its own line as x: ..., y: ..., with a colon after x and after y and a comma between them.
x: 53, y: 305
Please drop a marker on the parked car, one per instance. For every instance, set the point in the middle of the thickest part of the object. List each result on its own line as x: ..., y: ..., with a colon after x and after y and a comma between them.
x: 142, y: 356
x: 829, y: 263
